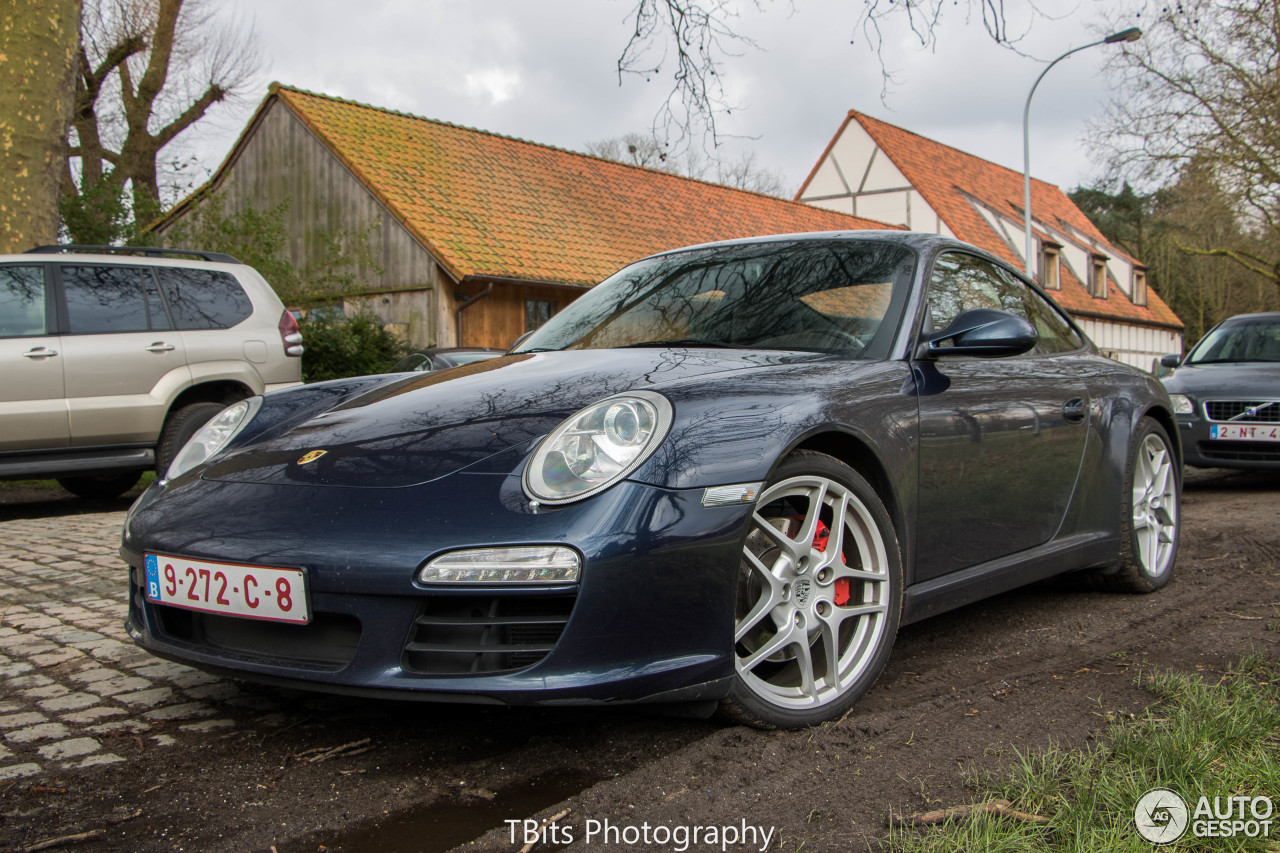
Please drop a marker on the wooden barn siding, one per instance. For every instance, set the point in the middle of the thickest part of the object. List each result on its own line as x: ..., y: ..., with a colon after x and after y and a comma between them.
x: 282, y: 159
x: 498, y: 319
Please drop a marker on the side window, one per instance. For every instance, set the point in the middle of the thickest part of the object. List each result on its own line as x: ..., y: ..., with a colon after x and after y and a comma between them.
x: 962, y: 282
x: 112, y: 299
x: 204, y: 299
x: 1056, y: 334
x: 22, y: 304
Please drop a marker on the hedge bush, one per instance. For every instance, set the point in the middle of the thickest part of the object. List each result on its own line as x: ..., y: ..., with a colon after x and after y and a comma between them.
x: 337, y: 347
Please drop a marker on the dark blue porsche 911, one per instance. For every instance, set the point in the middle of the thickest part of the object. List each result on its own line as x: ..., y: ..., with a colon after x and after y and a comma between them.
x: 726, y: 475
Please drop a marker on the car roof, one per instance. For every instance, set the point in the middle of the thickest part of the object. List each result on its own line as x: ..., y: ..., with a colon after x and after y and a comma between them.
x: 1248, y: 318
x: 124, y: 255
x: 919, y: 240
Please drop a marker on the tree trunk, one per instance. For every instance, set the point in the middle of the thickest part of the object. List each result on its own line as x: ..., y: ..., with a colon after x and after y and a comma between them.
x: 39, y: 40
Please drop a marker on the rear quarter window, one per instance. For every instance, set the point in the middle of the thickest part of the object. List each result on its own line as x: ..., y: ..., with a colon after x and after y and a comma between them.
x: 204, y: 299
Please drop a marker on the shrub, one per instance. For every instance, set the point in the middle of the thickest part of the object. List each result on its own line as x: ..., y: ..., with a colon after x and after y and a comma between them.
x: 337, y: 346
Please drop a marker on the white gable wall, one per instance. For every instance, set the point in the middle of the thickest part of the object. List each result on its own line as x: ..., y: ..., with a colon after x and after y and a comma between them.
x: 858, y: 178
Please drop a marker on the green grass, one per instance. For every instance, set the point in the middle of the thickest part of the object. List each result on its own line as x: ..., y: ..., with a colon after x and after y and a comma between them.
x: 1201, y: 739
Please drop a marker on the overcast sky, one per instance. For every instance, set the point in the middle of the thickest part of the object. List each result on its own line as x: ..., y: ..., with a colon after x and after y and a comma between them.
x: 545, y: 71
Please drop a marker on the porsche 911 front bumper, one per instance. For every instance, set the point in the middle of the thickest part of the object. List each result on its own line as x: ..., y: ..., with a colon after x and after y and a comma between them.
x: 651, y: 618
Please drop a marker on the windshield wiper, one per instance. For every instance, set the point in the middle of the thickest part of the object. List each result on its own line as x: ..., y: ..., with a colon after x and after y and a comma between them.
x: 534, y: 349
x: 683, y: 342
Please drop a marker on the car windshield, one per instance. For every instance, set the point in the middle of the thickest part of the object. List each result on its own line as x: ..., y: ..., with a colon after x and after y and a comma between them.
x: 814, y: 295
x: 1246, y: 340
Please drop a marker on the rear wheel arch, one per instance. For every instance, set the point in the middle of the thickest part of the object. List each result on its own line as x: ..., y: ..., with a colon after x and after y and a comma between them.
x: 1165, y: 418
x: 224, y: 391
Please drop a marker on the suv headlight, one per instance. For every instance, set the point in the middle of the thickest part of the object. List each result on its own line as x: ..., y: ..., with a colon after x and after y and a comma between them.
x: 1182, y: 404
x: 597, y: 447
x: 213, y: 436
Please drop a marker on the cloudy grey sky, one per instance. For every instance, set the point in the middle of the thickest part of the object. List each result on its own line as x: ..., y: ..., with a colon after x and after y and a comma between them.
x: 545, y: 71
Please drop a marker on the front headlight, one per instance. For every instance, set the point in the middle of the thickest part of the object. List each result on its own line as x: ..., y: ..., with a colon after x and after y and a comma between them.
x: 213, y: 436
x: 1182, y: 404
x: 597, y: 447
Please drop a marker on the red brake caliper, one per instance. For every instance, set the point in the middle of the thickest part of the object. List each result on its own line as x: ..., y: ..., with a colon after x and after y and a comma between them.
x: 820, y: 539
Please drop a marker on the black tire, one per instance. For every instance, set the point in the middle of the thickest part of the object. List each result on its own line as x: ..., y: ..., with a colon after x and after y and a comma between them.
x: 178, y: 429
x: 1150, y: 522
x: 792, y: 586
x: 100, y: 487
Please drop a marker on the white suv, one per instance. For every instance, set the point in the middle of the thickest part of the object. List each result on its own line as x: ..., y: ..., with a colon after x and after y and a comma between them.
x: 109, y: 363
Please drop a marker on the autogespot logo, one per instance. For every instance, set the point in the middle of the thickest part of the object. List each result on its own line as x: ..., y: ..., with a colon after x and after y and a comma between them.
x: 1161, y: 816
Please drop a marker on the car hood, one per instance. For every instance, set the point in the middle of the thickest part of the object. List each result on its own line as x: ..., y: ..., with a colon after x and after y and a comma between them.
x: 1227, y: 381
x: 417, y: 428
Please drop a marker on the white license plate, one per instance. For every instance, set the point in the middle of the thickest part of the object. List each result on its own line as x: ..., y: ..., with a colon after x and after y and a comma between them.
x: 256, y: 592
x: 1245, y: 432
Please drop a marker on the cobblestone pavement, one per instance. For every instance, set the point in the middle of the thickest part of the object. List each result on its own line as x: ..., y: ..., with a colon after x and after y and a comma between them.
x: 71, y: 681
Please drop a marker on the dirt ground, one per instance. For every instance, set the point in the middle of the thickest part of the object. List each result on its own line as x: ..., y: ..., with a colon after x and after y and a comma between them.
x: 961, y: 692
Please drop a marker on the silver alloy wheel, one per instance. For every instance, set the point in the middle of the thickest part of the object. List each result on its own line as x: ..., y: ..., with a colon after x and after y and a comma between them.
x: 1155, y: 505
x: 812, y: 542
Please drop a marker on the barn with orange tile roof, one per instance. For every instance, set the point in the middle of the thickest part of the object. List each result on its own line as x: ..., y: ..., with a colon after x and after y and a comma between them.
x: 475, y: 238
x: 877, y: 170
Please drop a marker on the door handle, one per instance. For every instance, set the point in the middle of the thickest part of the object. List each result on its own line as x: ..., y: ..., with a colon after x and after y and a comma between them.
x: 39, y: 352
x: 160, y: 346
x: 1073, y: 410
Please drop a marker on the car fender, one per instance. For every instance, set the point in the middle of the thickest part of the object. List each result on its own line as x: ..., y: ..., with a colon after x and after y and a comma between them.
x: 227, y: 371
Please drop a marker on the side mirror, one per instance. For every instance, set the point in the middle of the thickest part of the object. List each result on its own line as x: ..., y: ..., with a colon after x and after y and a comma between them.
x: 1170, y: 360
x: 985, y: 333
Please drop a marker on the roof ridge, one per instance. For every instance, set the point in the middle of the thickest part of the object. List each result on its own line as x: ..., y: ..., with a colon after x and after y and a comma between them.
x: 276, y: 87
x: 861, y: 115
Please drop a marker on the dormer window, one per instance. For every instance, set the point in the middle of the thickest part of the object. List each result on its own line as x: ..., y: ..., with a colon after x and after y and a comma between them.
x: 1050, y: 265
x: 1139, y: 289
x: 1098, y: 276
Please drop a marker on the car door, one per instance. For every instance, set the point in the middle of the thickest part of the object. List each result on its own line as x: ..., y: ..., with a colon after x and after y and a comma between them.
x: 122, y: 360
x: 33, y: 407
x: 1001, y: 439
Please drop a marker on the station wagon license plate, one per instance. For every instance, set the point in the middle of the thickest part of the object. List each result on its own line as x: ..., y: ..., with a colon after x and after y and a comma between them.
x: 1245, y: 432
x: 255, y: 592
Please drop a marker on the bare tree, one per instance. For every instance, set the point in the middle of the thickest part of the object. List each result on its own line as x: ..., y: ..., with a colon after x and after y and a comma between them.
x: 744, y: 172
x: 149, y: 70
x: 689, y: 40
x: 37, y: 63
x: 1203, y: 87
x: 634, y: 148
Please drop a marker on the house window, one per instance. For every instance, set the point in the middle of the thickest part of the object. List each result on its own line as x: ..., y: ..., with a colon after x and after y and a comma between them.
x: 1098, y: 276
x: 1050, y: 265
x: 1139, y: 289
x: 536, y: 312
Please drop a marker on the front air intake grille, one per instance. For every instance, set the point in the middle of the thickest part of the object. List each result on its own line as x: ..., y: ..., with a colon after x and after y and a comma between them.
x: 328, y: 641
x: 1240, y: 451
x: 485, y: 634
x: 1243, y: 411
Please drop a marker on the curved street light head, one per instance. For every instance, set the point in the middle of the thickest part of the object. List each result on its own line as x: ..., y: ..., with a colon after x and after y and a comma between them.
x: 1131, y: 34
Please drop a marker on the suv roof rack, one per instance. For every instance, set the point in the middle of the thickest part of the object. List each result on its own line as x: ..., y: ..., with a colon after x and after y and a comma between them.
x: 146, y: 251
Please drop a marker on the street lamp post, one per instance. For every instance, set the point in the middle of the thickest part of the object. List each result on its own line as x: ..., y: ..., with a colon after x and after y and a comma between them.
x: 1131, y: 34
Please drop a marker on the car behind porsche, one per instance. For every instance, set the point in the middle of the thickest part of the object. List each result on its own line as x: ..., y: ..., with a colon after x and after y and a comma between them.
x: 726, y: 476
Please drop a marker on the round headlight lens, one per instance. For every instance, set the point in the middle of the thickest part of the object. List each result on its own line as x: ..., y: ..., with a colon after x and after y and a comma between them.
x: 213, y: 436
x: 1182, y: 404
x: 597, y: 447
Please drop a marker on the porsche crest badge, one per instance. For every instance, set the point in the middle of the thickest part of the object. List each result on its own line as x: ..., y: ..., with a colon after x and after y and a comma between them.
x: 312, y: 456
